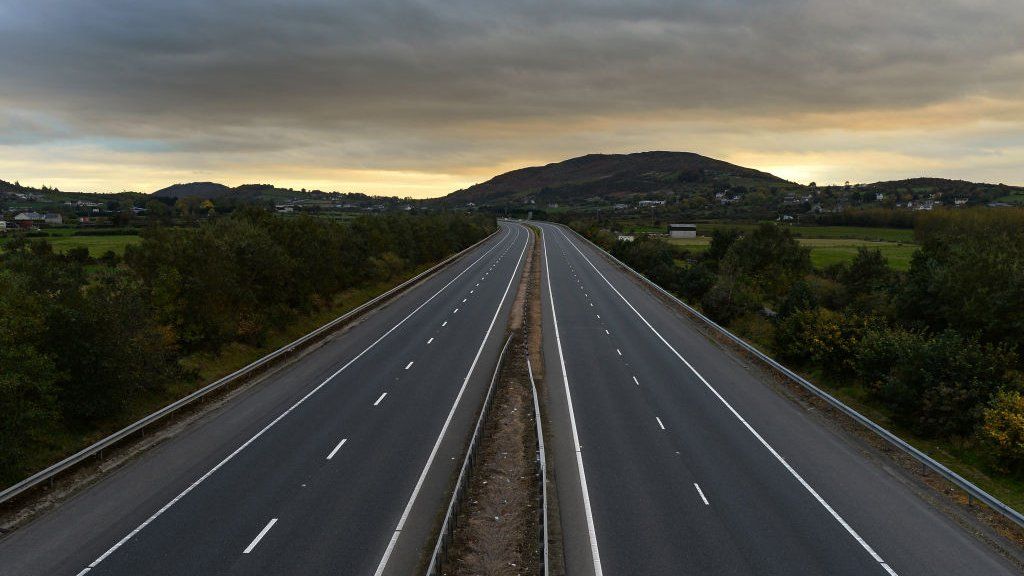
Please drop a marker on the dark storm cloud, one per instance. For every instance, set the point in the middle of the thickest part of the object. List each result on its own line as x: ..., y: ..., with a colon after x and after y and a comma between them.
x: 398, y: 62
x: 410, y: 78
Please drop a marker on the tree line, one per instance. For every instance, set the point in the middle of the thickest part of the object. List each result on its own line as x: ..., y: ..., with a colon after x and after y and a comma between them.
x: 83, y: 341
x: 937, y: 348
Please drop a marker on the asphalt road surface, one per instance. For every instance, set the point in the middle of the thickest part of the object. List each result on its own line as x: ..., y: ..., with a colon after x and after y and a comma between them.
x: 338, y: 463
x: 673, y: 458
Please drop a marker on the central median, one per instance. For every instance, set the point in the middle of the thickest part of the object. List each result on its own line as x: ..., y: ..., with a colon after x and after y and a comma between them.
x: 496, y: 522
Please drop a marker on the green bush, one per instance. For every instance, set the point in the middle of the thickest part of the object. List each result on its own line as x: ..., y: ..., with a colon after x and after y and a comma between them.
x: 695, y: 281
x: 879, y: 351
x: 937, y: 385
x: 968, y: 274
x: 800, y: 297
x: 822, y: 336
x: 652, y: 257
x: 728, y: 299
x: 1002, y: 430
x: 769, y: 260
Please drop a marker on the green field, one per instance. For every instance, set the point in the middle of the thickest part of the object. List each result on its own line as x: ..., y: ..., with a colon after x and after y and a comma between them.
x: 97, y: 245
x: 847, y: 232
x: 827, y: 251
x: 1012, y: 199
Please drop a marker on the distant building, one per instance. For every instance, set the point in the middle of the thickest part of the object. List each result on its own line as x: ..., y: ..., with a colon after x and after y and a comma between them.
x: 960, y: 201
x: 682, y: 230
x: 28, y: 217
x: 626, y: 238
x: 3, y: 226
x: 646, y: 203
x: 53, y: 218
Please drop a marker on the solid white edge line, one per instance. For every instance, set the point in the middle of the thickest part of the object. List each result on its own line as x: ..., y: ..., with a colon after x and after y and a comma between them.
x: 792, y: 471
x: 260, y: 536
x: 588, y: 512
x: 451, y: 413
x: 701, y: 492
x: 336, y: 448
x: 230, y: 456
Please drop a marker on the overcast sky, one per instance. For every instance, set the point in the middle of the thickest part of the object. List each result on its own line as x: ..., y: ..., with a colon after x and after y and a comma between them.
x: 422, y: 98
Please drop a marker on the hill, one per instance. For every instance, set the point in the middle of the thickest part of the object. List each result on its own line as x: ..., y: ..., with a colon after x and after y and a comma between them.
x: 946, y: 188
x: 241, y: 193
x: 205, y: 190
x: 619, y: 177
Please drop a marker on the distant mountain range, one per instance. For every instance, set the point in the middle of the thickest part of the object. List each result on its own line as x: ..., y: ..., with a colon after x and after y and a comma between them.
x: 696, y: 182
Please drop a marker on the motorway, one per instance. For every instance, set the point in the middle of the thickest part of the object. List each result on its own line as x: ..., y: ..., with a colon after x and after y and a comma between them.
x: 337, y: 463
x: 673, y: 457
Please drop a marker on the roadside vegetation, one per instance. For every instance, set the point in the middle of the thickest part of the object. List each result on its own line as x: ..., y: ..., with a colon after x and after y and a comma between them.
x: 933, y: 351
x: 88, y: 344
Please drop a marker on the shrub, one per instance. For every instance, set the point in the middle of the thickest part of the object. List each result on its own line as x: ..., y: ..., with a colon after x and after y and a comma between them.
x: 800, y: 297
x: 653, y: 258
x: 721, y: 240
x: 695, y: 281
x: 968, y: 274
x: 823, y: 336
x: 1002, y: 430
x: 939, y: 385
x: 879, y: 351
x: 755, y: 328
x: 770, y: 259
x: 869, y: 272
x: 729, y: 299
